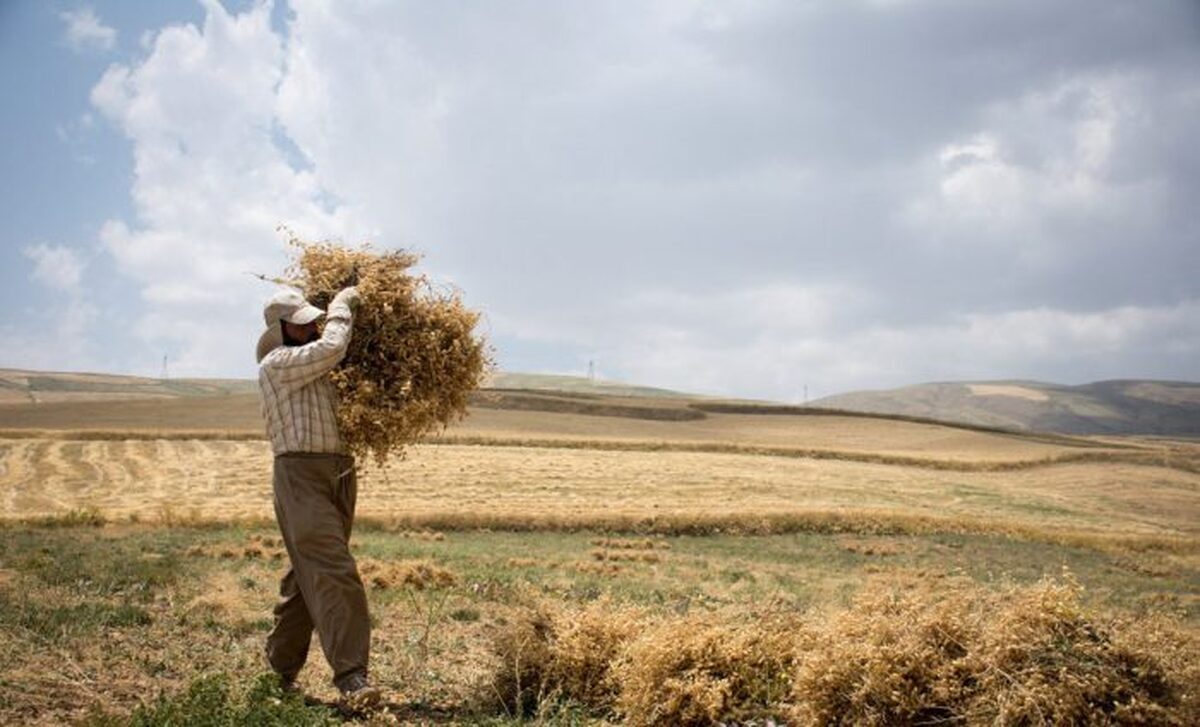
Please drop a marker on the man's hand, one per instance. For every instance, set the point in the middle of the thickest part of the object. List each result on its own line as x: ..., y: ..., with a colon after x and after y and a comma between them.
x: 349, y: 296
x: 352, y: 279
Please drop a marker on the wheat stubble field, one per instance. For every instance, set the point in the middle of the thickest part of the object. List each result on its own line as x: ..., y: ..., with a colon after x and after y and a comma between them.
x: 579, y: 558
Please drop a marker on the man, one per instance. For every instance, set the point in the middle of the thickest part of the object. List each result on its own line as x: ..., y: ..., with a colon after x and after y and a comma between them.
x: 315, y: 488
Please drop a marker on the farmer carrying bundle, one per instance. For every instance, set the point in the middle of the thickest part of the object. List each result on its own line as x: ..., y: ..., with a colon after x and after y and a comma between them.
x: 414, y: 358
x: 396, y: 360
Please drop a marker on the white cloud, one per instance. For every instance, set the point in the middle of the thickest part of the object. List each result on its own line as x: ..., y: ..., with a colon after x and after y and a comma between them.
x: 60, y: 339
x: 211, y: 185
x: 58, y: 330
x: 772, y: 340
x: 1038, y: 173
x: 735, y: 198
x: 55, y: 266
x: 1037, y: 343
x: 84, y: 31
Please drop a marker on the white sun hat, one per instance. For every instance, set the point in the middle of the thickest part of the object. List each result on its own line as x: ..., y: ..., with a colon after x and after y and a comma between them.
x: 286, y: 305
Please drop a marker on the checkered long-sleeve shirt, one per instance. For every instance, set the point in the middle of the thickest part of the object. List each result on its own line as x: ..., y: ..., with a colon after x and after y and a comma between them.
x: 298, y: 398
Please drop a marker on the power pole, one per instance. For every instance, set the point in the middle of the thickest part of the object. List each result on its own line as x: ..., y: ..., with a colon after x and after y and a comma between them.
x: 592, y: 371
x: 164, y: 369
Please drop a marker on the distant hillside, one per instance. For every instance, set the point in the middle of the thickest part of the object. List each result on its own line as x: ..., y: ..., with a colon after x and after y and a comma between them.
x: 1106, y: 407
x: 21, y: 386
x: 1103, y: 407
x: 576, y: 384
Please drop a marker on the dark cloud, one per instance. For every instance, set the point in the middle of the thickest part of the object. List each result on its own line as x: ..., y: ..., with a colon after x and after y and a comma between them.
x: 795, y: 136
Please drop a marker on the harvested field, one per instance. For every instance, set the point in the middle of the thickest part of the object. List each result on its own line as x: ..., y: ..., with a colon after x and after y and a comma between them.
x: 135, y: 610
x: 513, y: 415
x: 584, y: 487
x: 583, y: 559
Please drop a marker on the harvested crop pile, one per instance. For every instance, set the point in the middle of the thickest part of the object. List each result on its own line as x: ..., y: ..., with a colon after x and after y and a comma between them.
x: 947, y: 654
x: 704, y: 669
x: 546, y: 653
x: 417, y: 575
x: 414, y: 355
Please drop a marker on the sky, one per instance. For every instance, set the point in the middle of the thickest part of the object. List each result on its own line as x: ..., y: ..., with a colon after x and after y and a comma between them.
x: 738, y: 198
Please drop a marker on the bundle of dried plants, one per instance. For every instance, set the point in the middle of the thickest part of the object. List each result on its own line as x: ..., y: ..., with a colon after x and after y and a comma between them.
x: 415, y: 354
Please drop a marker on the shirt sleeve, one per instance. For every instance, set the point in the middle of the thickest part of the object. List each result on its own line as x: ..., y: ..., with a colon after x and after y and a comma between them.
x: 300, y: 365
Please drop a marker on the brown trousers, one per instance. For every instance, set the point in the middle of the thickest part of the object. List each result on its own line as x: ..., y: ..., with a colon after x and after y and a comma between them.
x: 314, y: 504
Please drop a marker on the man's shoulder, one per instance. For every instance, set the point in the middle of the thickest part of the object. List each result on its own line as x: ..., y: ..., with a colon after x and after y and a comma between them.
x: 272, y: 365
x: 268, y: 361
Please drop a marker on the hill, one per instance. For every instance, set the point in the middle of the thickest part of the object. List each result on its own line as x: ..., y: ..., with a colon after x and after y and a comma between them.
x: 23, y: 386
x: 577, y: 384
x: 1170, y: 408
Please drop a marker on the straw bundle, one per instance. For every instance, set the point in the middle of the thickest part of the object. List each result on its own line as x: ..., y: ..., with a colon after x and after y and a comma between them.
x: 414, y: 355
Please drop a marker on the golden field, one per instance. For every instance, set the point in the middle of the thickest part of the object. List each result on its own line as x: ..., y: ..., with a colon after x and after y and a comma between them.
x: 583, y: 484
x: 534, y: 561
x: 144, y: 459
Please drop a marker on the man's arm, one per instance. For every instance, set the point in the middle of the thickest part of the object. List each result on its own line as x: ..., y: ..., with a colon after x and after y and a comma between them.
x: 299, y: 365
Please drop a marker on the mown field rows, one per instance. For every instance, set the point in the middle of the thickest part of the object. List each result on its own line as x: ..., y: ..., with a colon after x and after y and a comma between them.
x: 217, y: 480
x: 240, y: 415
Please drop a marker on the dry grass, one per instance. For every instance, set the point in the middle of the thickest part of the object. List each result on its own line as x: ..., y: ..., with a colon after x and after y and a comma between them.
x: 575, y: 567
x: 705, y: 669
x: 452, y: 488
x: 478, y: 626
x: 589, y: 405
x: 240, y: 415
x: 417, y: 575
x: 547, y: 653
x: 1163, y: 458
x: 1026, y: 656
x: 632, y: 556
x: 414, y: 358
x: 955, y: 654
x: 635, y: 544
x: 1184, y: 460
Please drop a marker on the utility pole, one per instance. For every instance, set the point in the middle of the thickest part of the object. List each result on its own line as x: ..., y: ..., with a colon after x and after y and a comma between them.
x: 592, y: 371
x: 164, y: 369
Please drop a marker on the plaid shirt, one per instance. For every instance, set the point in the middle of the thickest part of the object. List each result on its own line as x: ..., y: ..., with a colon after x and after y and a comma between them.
x: 298, y: 399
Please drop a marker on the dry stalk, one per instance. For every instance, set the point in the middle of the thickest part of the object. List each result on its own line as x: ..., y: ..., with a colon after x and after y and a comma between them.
x: 414, y: 356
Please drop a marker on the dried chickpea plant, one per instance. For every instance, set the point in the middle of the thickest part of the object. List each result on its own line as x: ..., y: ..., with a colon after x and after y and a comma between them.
x: 415, y: 354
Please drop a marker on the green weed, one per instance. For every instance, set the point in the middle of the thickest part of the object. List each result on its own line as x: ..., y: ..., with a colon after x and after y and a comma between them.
x: 113, y: 567
x: 61, y: 621
x: 213, y: 701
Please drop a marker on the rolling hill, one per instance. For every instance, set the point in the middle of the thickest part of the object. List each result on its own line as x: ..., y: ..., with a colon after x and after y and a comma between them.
x: 577, y: 384
x: 32, y: 387
x: 1170, y: 408
x: 19, y: 386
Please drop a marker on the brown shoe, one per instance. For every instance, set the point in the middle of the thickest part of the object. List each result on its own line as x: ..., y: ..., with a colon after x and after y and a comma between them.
x: 359, y: 695
x: 289, y: 685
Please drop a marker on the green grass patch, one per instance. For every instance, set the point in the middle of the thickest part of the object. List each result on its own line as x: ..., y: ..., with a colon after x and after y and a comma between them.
x: 90, y: 517
x: 81, y: 560
x: 802, y: 568
x: 214, y: 701
x: 60, y: 622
